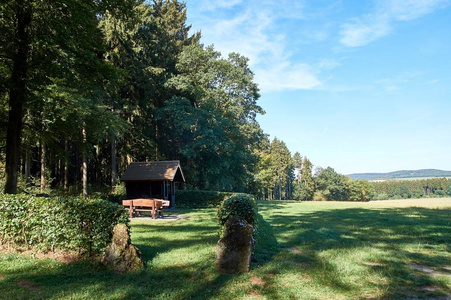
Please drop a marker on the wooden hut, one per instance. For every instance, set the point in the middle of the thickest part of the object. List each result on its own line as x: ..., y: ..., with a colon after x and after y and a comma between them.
x: 153, y: 179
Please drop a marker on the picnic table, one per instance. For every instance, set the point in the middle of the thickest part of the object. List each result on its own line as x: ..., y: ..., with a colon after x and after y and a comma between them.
x: 145, y: 204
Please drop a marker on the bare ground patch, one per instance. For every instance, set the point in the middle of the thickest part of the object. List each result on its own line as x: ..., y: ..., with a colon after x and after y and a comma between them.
x: 58, y: 255
x: 29, y: 285
x: 293, y: 250
x: 296, y: 252
x: 374, y: 264
x: 428, y: 270
x: 255, y: 295
x: 257, y: 281
x: 143, y: 216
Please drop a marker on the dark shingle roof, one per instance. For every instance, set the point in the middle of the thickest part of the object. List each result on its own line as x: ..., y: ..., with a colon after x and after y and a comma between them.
x: 154, y: 171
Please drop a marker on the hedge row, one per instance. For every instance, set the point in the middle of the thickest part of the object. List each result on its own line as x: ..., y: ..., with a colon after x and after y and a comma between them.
x: 65, y: 223
x: 202, y: 199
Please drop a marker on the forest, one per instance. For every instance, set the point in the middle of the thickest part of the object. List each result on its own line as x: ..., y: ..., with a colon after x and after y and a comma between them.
x: 87, y: 87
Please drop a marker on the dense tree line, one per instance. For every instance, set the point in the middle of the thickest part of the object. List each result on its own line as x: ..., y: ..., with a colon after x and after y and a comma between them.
x: 88, y: 86
x: 432, y: 187
x: 280, y: 176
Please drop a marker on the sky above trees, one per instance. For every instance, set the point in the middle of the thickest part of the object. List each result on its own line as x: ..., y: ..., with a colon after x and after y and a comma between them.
x: 362, y: 86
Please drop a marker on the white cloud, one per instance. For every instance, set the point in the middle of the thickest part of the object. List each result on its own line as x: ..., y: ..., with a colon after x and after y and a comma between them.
x: 284, y: 76
x: 250, y: 32
x: 327, y: 64
x: 364, y: 30
x: 400, y: 81
x: 367, y: 28
x: 212, y: 5
x: 405, y: 10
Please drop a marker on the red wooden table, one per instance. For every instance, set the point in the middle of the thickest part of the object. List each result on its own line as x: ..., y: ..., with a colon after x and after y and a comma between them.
x: 144, y: 204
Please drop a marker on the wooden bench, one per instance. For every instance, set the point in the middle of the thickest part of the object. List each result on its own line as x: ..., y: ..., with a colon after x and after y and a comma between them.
x: 145, y: 204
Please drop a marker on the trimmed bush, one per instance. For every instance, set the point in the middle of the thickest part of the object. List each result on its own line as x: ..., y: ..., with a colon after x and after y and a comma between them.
x: 237, y: 216
x: 202, y: 199
x: 65, y: 223
x: 241, y: 207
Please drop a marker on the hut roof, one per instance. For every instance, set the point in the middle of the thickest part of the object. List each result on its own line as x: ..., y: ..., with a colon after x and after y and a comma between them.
x: 154, y: 171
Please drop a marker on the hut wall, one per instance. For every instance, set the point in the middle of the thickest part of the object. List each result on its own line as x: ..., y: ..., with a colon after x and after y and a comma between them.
x: 137, y: 190
x: 145, y: 189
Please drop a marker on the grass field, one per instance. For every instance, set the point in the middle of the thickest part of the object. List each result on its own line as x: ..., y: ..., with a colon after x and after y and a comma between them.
x: 308, y: 250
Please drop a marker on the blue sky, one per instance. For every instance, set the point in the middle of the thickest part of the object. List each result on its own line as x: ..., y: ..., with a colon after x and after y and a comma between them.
x: 361, y: 86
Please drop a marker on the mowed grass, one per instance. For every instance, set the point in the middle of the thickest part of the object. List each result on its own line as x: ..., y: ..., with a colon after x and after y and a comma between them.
x: 306, y: 250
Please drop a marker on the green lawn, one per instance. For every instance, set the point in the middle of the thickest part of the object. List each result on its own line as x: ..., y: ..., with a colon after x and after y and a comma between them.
x: 308, y: 250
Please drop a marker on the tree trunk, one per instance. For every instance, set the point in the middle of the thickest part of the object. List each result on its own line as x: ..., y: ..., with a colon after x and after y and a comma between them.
x: 97, y: 167
x: 17, y: 96
x: 156, y: 143
x: 43, y: 167
x: 113, y: 161
x: 66, y: 165
x: 84, y: 163
x: 27, y: 168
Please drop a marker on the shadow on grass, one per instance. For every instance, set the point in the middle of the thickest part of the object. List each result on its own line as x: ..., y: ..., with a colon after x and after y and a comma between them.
x: 406, y: 236
x: 26, y: 278
x: 266, y: 245
x: 153, y: 240
x: 88, y: 281
x: 307, y: 245
x: 264, y: 206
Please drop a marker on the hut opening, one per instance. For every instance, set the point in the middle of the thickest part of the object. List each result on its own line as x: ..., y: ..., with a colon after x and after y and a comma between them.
x: 153, y: 179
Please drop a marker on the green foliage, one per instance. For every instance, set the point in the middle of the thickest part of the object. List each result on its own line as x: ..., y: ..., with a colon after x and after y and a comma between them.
x: 275, y: 171
x: 130, y: 75
x: 241, y: 207
x: 448, y: 190
x: 305, y: 187
x: 382, y: 196
x: 397, y: 189
x: 53, y: 74
x: 332, y: 185
x: 209, y: 124
x: 202, y: 199
x: 303, y: 192
x: 66, y: 223
x: 360, y: 190
x: 281, y: 168
x: 319, y: 196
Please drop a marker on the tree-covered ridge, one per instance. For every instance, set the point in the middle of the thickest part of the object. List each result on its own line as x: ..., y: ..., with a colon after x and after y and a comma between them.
x: 404, y: 174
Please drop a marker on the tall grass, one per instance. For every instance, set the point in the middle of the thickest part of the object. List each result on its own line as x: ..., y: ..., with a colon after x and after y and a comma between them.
x: 306, y: 250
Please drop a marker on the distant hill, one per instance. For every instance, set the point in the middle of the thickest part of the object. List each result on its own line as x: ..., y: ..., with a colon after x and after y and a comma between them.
x: 404, y: 174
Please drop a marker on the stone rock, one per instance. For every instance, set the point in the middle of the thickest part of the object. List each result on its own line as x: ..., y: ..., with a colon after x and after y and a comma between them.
x: 121, y: 255
x: 234, y: 248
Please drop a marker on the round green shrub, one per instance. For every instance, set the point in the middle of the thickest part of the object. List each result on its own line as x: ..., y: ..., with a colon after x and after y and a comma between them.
x: 241, y: 207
